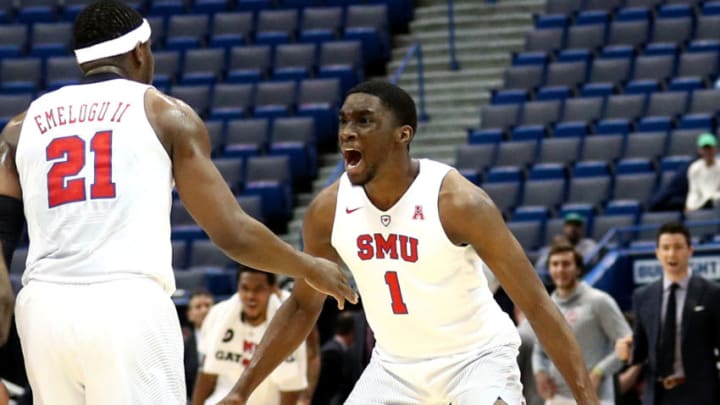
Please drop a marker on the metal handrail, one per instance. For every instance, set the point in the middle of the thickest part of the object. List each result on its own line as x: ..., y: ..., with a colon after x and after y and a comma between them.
x: 415, y: 50
x: 454, y: 65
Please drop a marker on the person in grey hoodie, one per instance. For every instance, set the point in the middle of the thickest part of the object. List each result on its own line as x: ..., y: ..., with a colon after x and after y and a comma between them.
x: 596, y: 322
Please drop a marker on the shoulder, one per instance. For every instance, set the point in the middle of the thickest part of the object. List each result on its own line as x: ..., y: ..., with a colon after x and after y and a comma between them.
x: 463, y: 207
x: 695, y: 166
x: 11, y: 132
x: 642, y: 293
x: 602, y: 299
x: 321, y: 211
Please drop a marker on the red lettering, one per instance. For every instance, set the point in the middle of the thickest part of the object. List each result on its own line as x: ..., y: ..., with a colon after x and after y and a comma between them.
x: 386, y: 246
x: 122, y: 113
x: 71, y: 118
x: 408, y: 249
x: 103, y: 110
x: 245, y: 362
x: 49, y: 117
x: 83, y: 113
x: 365, y: 247
x: 117, y: 110
x: 248, y: 346
x: 39, y: 124
x: 61, y: 116
x: 93, y: 111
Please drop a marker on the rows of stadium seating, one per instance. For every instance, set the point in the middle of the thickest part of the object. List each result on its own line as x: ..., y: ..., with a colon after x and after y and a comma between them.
x: 266, y: 76
x: 597, y: 114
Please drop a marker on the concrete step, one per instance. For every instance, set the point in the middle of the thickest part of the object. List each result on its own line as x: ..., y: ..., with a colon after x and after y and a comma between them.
x: 453, y: 76
x: 437, y: 87
x: 431, y: 8
x: 457, y: 112
x: 470, y: 19
x: 462, y: 48
x: 483, y: 60
x: 441, y: 36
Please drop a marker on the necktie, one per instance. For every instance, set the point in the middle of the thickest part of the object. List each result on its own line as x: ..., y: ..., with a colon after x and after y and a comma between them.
x: 667, y: 344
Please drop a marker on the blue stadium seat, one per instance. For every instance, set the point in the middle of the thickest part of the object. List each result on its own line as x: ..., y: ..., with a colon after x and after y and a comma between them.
x: 203, y: 66
x: 274, y: 99
x: 36, y: 11
x: 547, y: 193
x: 276, y: 27
x: 51, y: 39
x: 472, y: 160
x: 61, y: 71
x: 197, y: 97
x: 295, y: 137
x: 13, y: 39
x: 231, y: 170
x: 186, y: 31
x: 246, y: 138
x: 505, y: 195
x: 269, y: 177
x: 20, y: 75
x: 528, y: 233
x: 321, y: 24
x: 184, y: 226
x: 369, y: 25
x: 342, y: 60
x: 294, y: 62
x: 231, y: 101
x: 231, y: 29
x: 248, y: 64
x: 320, y: 99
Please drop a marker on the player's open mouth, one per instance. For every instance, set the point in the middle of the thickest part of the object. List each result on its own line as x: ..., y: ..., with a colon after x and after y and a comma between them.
x: 352, y: 158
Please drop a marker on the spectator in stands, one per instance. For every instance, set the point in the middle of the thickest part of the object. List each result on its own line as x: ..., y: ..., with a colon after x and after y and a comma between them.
x: 335, y: 380
x: 677, y: 328
x: 230, y: 333
x: 527, y: 345
x: 596, y: 321
x: 672, y: 196
x: 573, y: 232
x: 198, y: 308
x: 704, y: 176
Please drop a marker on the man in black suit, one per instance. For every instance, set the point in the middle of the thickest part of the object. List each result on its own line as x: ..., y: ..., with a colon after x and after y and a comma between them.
x: 334, y: 384
x: 198, y: 308
x: 677, y: 328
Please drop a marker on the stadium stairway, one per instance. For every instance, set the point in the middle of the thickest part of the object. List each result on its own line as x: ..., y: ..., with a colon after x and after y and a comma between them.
x: 485, y: 36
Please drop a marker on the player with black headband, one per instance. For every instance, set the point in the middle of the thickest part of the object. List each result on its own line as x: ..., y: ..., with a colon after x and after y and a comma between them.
x: 92, y: 167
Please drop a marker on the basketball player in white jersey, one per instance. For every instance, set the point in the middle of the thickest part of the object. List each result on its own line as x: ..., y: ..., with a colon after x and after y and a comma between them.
x: 403, y: 226
x: 94, y: 165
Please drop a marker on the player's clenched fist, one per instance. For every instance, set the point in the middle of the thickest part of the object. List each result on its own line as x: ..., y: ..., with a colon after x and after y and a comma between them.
x: 328, y: 278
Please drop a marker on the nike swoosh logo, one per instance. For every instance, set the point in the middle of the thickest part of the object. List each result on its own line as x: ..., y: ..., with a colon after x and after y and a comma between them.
x: 350, y: 211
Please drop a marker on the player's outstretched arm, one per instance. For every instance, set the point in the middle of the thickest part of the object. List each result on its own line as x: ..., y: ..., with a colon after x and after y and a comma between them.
x: 214, y: 207
x: 469, y: 216
x: 298, y: 314
x: 11, y: 218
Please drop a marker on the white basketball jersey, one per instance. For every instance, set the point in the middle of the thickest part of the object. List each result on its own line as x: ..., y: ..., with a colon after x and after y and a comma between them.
x: 422, y: 296
x: 96, y: 185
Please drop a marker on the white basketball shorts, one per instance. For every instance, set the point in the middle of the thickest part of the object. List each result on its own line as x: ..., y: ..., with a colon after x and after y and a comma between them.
x: 472, y: 378
x: 117, y: 342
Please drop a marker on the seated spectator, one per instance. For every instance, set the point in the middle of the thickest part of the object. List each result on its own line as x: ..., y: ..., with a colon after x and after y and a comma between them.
x: 704, y: 176
x: 335, y: 382
x: 672, y: 196
x: 198, y: 308
x: 573, y: 232
x: 230, y: 333
x: 596, y: 322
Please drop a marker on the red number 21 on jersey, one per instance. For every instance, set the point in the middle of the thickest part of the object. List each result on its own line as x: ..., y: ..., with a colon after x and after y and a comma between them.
x: 72, y: 148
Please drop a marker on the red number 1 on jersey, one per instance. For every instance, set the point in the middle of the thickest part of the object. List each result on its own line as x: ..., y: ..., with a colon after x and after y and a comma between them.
x: 398, y: 305
x: 72, y: 148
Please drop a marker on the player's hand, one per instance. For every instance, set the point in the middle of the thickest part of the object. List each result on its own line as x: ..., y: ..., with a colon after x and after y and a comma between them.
x: 596, y: 379
x: 623, y: 347
x: 7, y: 300
x: 328, y: 278
x: 545, y: 385
x: 232, y: 399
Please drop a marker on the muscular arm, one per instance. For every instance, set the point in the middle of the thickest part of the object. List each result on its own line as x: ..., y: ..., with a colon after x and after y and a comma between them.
x: 312, y: 343
x: 9, y: 187
x: 469, y: 216
x: 289, y: 397
x: 211, y: 203
x: 204, y: 387
x: 298, y: 314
